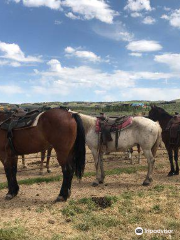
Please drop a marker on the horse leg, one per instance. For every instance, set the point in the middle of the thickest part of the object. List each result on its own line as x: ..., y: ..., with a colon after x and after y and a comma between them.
x: 68, y: 172
x: 101, y: 180
x: 176, y: 160
x: 170, y: 154
x: 43, y: 153
x: 48, y: 158
x: 130, y: 152
x: 23, y: 162
x: 139, y: 153
x: 150, y: 159
x: 10, y: 167
x: 97, y: 160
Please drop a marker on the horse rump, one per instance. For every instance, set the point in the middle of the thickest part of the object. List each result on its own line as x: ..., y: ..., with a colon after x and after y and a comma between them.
x: 80, y: 148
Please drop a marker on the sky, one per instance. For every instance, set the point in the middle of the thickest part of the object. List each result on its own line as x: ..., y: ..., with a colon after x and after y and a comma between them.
x: 89, y: 50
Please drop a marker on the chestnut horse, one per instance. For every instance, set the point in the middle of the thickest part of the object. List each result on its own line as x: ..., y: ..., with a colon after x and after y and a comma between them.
x: 59, y: 128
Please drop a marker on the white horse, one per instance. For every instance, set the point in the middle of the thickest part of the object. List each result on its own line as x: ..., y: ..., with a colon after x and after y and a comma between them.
x: 142, y: 131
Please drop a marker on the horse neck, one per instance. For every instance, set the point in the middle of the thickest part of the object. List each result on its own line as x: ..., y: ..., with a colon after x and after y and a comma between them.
x: 88, y: 122
x: 164, y: 121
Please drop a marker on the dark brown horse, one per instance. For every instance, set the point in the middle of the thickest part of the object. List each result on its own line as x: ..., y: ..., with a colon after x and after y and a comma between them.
x: 4, y: 115
x: 164, y: 118
x: 59, y: 128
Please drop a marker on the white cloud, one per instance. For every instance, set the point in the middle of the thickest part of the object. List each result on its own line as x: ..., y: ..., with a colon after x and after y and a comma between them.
x: 87, y: 9
x: 13, y: 52
x: 136, y: 14
x: 55, y: 65
x: 170, y: 59
x: 90, y: 9
x: 53, y: 4
x: 135, y: 54
x: 116, y: 31
x: 173, y: 18
x: 144, y: 46
x: 72, y: 16
x: 152, y: 94
x: 88, y: 77
x: 10, y: 89
x: 86, y: 55
x: 57, y: 22
x: 167, y: 9
x: 149, y: 20
x: 138, y: 5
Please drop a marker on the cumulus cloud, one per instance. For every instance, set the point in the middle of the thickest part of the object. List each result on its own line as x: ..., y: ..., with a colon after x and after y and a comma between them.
x: 90, y: 9
x: 170, y: 59
x: 86, y: 55
x: 84, y: 9
x: 173, y: 18
x: 13, y: 52
x: 149, y: 20
x: 53, y: 4
x: 144, y: 46
x: 138, y: 5
x: 88, y: 77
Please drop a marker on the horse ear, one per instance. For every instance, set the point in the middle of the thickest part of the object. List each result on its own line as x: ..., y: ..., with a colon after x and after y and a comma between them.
x: 152, y: 106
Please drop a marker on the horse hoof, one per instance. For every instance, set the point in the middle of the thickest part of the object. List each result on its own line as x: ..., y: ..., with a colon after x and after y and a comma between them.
x: 69, y: 193
x: 9, y: 196
x: 60, y: 199
x: 101, y: 182
x: 95, y: 184
x: 49, y: 171
x: 176, y: 173
x: 146, y: 183
x: 170, y: 174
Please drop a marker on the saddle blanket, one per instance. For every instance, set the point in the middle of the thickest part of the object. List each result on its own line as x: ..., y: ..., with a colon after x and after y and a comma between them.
x: 116, y: 126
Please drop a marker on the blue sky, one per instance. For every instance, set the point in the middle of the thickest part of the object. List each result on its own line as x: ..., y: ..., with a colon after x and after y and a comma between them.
x: 89, y: 50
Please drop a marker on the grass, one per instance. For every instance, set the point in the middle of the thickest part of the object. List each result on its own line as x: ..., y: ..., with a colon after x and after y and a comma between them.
x: 117, y: 171
x: 129, y: 210
x: 13, y: 233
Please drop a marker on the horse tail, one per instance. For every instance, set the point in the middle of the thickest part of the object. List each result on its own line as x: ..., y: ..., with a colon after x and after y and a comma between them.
x: 158, y: 141
x: 80, y: 148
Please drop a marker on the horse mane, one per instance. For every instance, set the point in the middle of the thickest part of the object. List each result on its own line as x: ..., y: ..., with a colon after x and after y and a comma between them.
x: 88, y: 121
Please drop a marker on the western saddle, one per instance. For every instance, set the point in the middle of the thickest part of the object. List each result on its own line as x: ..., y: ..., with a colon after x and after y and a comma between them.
x: 105, y: 126
x: 174, y: 129
x: 20, y: 119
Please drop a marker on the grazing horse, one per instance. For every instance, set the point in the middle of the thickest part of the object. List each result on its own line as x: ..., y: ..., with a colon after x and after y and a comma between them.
x: 4, y: 115
x: 142, y: 131
x: 164, y: 118
x: 58, y: 128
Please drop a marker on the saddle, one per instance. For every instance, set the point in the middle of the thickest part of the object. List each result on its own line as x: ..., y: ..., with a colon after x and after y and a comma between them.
x: 174, y: 129
x: 105, y: 126
x: 18, y: 120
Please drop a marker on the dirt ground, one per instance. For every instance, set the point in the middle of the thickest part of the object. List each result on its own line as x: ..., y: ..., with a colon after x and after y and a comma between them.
x: 34, y: 207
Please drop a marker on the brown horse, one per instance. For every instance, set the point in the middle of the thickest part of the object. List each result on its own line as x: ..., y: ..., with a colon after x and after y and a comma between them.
x: 4, y: 115
x: 59, y: 128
